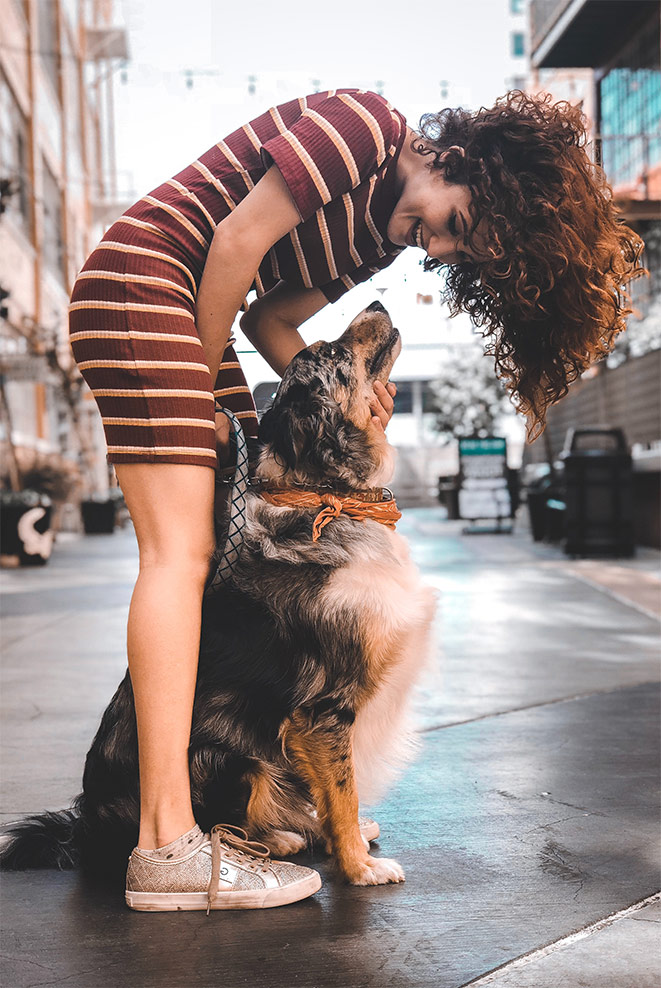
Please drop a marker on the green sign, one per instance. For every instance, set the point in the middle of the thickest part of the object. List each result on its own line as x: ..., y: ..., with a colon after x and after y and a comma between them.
x: 493, y: 446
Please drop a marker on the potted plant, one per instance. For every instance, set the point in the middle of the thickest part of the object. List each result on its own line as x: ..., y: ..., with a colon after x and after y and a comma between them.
x: 26, y: 537
x: 30, y: 511
x: 99, y: 514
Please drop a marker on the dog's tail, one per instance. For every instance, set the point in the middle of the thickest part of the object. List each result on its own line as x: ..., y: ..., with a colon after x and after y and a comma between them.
x: 46, y: 840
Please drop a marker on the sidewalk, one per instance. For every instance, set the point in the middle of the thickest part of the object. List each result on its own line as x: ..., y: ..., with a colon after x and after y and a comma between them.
x: 528, y: 826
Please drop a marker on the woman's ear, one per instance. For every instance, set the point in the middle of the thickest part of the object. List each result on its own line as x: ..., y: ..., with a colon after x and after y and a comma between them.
x: 451, y: 152
x: 453, y: 161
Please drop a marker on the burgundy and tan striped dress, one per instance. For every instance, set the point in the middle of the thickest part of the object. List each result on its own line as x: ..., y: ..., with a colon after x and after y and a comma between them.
x: 132, y: 313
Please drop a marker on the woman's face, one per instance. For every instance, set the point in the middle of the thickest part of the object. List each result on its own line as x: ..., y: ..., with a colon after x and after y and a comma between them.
x: 430, y: 213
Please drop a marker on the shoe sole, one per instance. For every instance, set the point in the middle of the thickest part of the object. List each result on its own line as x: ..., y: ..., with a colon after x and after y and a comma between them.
x: 248, y: 899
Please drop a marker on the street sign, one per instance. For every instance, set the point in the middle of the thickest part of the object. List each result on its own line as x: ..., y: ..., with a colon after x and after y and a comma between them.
x: 483, y: 491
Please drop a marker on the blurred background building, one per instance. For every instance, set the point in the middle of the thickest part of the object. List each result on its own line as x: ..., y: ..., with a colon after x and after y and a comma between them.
x: 59, y: 189
x: 605, y: 54
x: 65, y: 167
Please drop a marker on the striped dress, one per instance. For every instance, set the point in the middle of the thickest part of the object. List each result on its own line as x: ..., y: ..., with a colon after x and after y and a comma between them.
x: 132, y: 312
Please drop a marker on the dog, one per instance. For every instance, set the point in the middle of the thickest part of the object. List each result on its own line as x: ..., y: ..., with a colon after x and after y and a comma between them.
x: 308, y: 652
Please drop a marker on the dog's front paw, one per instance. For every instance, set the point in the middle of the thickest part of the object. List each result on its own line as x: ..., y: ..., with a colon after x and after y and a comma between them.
x: 378, y: 871
x: 282, y: 843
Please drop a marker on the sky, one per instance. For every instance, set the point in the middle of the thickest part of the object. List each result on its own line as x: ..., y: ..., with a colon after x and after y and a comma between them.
x: 408, y: 50
x: 192, y: 79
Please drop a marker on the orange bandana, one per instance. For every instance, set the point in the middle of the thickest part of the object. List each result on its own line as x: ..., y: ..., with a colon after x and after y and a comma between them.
x: 334, y: 504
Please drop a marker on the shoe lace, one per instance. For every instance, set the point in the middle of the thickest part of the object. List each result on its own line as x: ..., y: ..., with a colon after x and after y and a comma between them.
x: 226, y: 837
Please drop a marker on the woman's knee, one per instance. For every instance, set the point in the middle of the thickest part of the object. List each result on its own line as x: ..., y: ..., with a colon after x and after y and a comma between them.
x: 171, y: 506
x: 174, y: 561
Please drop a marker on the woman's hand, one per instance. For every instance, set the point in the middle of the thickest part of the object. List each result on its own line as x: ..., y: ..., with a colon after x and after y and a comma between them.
x: 382, y: 404
x: 223, y: 439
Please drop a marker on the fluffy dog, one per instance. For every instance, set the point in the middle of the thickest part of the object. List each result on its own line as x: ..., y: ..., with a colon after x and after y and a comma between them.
x: 307, y: 654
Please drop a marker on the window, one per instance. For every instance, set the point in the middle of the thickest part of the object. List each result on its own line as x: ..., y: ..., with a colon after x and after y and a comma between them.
x: 410, y: 393
x: 53, y: 244
x: 518, y: 43
x: 404, y: 403
x: 629, y: 111
x: 517, y: 6
x: 14, y: 143
x: 263, y: 396
x: 48, y: 41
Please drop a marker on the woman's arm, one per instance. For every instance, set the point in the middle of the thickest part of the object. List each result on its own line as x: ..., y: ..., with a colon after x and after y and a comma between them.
x: 239, y: 244
x: 272, y: 321
x: 271, y: 325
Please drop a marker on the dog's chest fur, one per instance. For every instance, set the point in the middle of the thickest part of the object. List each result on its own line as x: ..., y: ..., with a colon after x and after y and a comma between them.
x: 346, y: 617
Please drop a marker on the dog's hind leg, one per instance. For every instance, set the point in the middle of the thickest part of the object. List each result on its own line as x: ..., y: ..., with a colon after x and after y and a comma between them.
x: 321, y: 748
x: 278, y: 813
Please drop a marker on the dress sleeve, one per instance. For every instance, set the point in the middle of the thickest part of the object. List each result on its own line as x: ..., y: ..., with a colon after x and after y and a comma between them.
x: 334, y: 290
x: 332, y: 147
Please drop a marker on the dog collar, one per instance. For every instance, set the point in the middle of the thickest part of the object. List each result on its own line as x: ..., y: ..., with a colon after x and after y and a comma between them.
x: 382, y: 509
x: 369, y: 494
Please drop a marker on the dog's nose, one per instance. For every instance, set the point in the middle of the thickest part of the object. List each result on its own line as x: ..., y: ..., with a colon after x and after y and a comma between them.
x: 375, y: 307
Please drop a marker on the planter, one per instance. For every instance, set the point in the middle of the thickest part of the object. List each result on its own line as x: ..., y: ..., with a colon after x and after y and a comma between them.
x: 98, y: 517
x: 26, y: 538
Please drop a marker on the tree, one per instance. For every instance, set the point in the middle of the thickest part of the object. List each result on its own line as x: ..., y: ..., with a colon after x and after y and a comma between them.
x: 644, y: 325
x: 468, y: 398
x: 52, y: 357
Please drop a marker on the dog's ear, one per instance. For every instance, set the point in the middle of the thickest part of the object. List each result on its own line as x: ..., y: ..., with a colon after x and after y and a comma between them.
x: 307, y: 431
x: 281, y: 425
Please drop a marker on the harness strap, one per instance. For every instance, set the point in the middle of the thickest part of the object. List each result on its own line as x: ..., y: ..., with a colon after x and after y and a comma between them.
x: 237, y: 519
x: 361, y: 505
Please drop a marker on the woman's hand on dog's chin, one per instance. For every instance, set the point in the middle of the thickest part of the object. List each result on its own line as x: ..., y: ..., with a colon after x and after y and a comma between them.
x: 382, y: 404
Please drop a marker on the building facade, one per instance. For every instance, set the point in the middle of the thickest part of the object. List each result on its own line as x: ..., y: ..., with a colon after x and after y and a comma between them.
x: 611, y: 52
x: 58, y: 187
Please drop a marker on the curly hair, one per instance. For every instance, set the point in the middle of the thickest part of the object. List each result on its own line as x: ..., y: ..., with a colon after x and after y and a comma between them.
x: 549, y: 293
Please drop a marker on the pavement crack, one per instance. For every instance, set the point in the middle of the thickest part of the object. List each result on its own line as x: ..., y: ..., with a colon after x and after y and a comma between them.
x: 579, y: 890
x: 536, y: 706
x: 36, y: 631
x: 574, y: 806
x: 554, y: 859
x: 53, y: 982
x: 10, y: 957
x: 552, y: 823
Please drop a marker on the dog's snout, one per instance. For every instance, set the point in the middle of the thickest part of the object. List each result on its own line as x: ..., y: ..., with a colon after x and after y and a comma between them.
x: 375, y: 307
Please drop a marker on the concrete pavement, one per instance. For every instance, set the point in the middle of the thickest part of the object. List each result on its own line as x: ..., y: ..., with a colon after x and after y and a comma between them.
x: 528, y: 826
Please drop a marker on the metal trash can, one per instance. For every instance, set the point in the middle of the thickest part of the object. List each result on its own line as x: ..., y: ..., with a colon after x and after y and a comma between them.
x: 448, y: 495
x: 598, y: 493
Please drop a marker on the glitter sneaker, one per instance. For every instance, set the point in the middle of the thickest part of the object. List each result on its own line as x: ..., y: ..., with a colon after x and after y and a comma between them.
x: 224, y: 871
x: 369, y: 828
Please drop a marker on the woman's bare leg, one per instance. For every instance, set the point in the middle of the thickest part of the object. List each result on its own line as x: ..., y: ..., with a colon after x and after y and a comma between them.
x: 171, y: 505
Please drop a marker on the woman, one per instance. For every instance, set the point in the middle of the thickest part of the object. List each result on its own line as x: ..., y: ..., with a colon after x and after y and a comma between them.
x: 301, y: 204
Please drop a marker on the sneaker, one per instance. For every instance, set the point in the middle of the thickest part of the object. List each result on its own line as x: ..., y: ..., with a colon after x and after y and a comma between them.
x: 224, y: 871
x: 369, y: 828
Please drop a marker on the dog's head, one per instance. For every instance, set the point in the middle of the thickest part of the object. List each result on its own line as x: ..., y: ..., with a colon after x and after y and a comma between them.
x: 319, y: 429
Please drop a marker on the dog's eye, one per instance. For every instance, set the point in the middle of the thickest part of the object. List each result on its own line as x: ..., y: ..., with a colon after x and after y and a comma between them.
x: 333, y: 351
